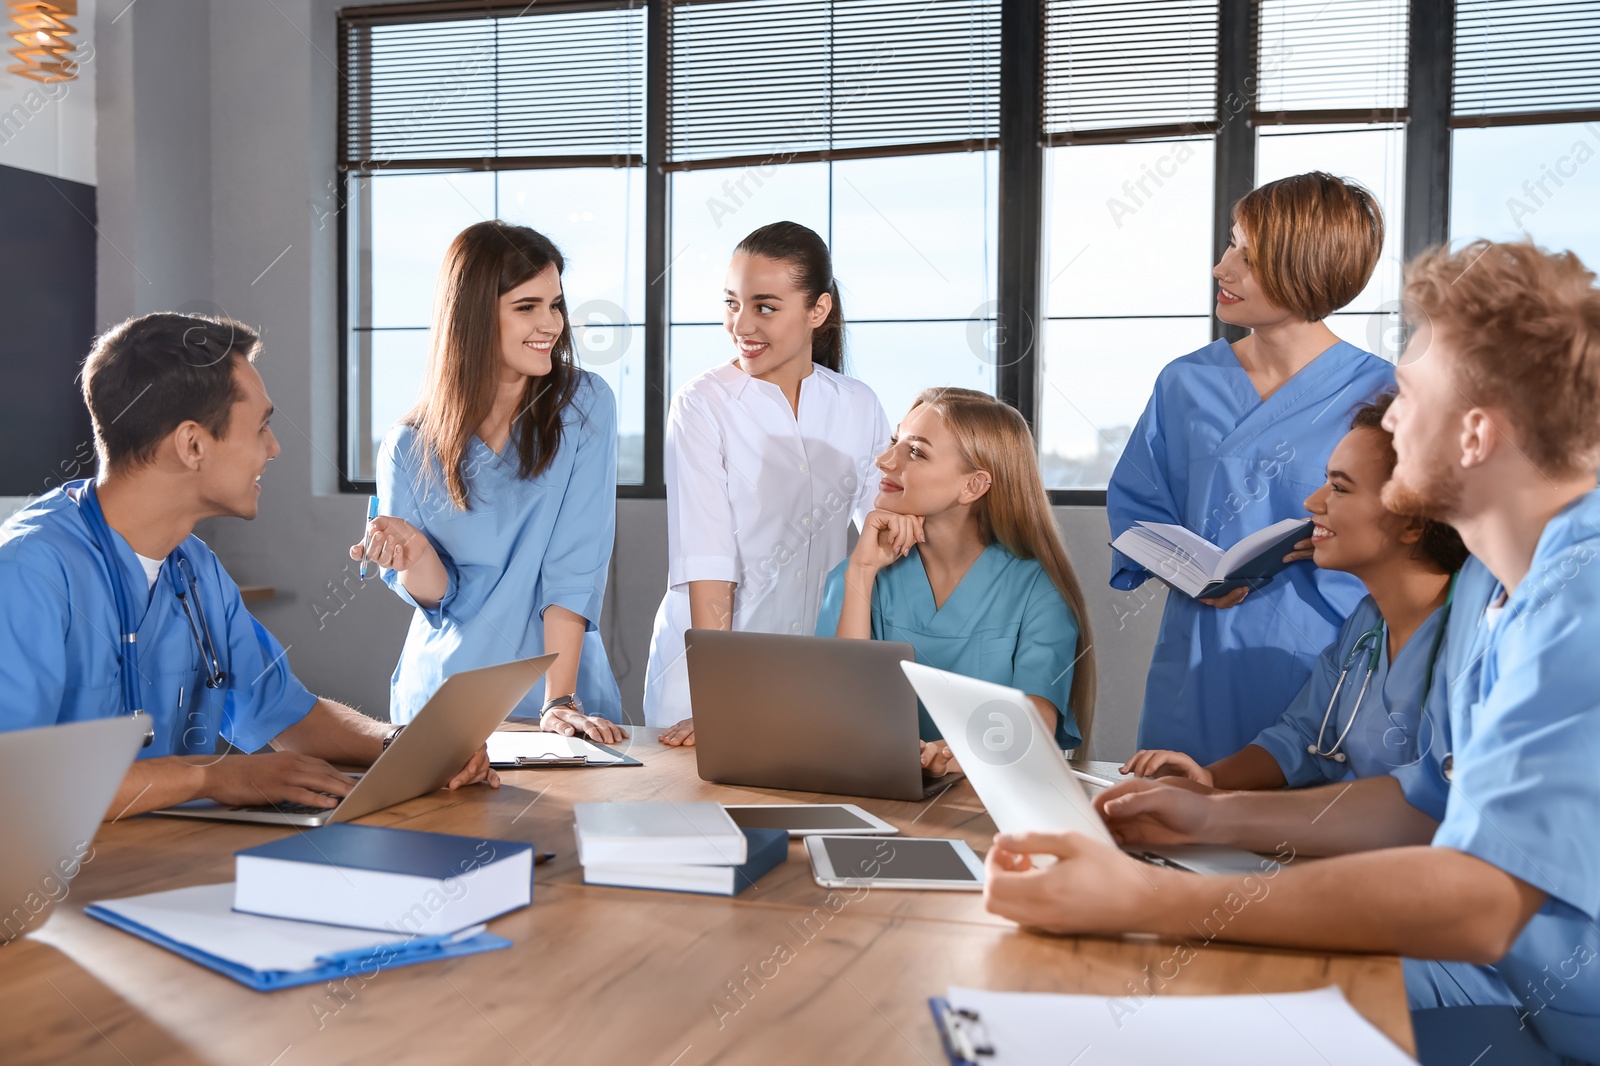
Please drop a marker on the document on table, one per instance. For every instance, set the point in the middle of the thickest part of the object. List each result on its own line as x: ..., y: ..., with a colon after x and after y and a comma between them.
x: 1318, y: 1028
x: 200, y: 924
x: 524, y: 747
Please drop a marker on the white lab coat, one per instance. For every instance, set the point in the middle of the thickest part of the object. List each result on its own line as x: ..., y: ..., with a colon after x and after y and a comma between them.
x: 762, y: 497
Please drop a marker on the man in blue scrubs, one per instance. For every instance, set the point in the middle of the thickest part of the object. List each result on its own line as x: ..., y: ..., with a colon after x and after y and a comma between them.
x: 181, y: 427
x: 1497, y: 431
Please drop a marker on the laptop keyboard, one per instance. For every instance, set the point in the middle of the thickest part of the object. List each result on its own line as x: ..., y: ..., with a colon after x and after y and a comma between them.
x: 286, y: 808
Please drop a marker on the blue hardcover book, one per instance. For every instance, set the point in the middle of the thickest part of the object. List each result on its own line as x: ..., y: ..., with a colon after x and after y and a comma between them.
x: 200, y: 924
x: 766, y: 849
x: 371, y: 877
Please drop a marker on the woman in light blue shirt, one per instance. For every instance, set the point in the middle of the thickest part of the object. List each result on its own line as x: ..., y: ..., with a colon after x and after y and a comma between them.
x: 498, y: 490
x: 1386, y: 652
x: 962, y: 560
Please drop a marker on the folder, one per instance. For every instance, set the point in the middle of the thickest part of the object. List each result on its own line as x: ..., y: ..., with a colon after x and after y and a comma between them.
x: 267, y: 954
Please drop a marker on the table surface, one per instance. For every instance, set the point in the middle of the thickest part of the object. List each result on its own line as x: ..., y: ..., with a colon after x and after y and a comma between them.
x: 787, y: 972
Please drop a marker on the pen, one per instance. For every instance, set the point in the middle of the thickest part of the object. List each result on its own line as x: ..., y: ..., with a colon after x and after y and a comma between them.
x: 366, y: 539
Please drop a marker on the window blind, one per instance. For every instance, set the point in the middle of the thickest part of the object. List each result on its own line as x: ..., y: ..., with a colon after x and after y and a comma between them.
x: 789, y: 79
x: 1321, y: 56
x: 1114, y: 65
x: 1525, y: 57
x: 532, y: 85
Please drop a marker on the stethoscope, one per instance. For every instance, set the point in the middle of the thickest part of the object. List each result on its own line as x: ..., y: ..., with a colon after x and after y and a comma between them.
x: 183, y: 584
x: 1374, y: 640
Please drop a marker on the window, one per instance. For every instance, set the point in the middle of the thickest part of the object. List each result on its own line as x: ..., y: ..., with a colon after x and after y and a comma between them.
x: 535, y: 118
x: 1130, y: 114
x: 913, y: 242
x: 1323, y: 65
x: 878, y: 124
x: 1525, y: 105
x: 879, y: 137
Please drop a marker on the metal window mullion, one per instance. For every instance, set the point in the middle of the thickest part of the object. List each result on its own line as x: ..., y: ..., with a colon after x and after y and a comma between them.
x: 1428, y: 146
x: 657, y: 240
x: 1021, y: 206
x: 1238, y: 84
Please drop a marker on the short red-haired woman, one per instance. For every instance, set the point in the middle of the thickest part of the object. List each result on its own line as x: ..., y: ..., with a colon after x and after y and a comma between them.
x: 1235, y: 436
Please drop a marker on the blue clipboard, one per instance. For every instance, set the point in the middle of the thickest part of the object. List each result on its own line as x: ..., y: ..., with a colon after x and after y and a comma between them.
x: 961, y: 1032
x: 364, y: 962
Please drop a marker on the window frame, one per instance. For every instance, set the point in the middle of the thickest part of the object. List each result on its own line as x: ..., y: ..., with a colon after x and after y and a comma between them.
x: 1426, y: 113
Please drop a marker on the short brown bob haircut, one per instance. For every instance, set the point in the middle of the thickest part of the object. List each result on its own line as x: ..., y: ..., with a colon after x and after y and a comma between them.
x: 1524, y: 327
x: 1312, y: 241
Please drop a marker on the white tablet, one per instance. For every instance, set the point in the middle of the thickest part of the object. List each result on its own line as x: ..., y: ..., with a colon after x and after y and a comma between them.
x: 807, y: 819
x: 894, y: 862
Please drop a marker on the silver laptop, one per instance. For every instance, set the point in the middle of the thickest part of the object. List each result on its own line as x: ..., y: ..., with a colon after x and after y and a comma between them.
x: 809, y: 714
x: 424, y: 757
x: 1023, y: 778
x: 56, y: 785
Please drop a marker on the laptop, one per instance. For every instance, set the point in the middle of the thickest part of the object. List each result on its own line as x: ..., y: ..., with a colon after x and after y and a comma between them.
x: 808, y: 714
x: 1023, y: 778
x: 424, y: 757
x: 56, y: 784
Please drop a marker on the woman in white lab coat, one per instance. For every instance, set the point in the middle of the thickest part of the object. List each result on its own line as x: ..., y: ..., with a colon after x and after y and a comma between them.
x: 768, y: 459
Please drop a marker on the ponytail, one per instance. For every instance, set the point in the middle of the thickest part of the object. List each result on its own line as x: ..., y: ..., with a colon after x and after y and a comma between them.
x: 812, y: 267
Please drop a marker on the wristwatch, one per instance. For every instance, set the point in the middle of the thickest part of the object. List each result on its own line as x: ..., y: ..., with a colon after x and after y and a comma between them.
x: 388, y: 738
x: 569, y: 700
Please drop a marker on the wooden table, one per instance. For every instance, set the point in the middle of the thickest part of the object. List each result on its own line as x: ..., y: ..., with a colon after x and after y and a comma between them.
x: 786, y: 973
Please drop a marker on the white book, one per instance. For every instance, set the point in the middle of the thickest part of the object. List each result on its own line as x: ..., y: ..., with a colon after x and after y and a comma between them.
x: 768, y: 849
x: 697, y: 834
x: 1198, y: 568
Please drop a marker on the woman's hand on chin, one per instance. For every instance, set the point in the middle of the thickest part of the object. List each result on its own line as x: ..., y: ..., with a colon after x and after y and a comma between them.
x: 886, y: 537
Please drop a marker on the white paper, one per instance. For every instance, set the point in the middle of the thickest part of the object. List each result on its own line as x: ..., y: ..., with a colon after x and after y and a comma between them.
x: 203, y: 917
x: 510, y: 745
x: 1318, y: 1028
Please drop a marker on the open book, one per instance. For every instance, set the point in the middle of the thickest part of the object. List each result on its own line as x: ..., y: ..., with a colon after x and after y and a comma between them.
x: 1193, y: 565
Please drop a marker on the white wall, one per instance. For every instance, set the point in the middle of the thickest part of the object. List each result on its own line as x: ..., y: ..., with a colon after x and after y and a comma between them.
x: 216, y: 148
x: 50, y: 128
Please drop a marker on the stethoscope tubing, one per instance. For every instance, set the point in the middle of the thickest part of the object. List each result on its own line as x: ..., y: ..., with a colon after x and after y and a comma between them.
x: 182, y: 575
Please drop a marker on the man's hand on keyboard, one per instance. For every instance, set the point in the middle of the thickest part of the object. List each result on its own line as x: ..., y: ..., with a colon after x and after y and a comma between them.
x: 275, y: 777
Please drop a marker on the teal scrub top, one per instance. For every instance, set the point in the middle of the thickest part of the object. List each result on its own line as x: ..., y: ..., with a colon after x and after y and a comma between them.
x: 1005, y: 622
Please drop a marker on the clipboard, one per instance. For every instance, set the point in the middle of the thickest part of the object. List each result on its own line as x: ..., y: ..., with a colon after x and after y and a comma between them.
x: 566, y: 762
x: 189, y: 929
x: 961, y: 1032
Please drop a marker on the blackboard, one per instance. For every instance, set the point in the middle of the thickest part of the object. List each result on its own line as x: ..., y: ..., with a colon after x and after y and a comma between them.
x: 47, y: 319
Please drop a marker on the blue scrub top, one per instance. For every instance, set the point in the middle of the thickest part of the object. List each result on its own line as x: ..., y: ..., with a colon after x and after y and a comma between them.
x: 1210, y: 455
x: 523, y: 545
x: 1385, y: 731
x: 1526, y: 743
x: 1004, y: 622
x: 59, y: 636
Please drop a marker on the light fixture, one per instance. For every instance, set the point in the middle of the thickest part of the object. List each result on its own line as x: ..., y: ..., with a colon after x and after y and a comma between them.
x: 43, y: 45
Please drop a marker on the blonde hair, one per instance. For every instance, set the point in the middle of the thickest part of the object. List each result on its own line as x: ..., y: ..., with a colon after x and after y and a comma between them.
x: 1524, y: 324
x: 1015, y: 512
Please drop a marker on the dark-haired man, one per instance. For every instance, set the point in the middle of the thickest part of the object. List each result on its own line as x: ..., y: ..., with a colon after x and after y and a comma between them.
x: 110, y: 605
